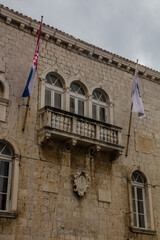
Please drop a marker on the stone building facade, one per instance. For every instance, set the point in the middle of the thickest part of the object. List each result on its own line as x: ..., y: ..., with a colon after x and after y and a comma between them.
x: 66, y: 177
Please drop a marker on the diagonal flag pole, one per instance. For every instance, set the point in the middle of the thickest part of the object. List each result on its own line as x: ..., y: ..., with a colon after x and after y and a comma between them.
x: 31, y: 79
x: 129, y: 127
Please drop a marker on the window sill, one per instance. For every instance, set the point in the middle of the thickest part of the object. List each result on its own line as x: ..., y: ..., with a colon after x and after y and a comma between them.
x: 143, y: 231
x: 12, y: 215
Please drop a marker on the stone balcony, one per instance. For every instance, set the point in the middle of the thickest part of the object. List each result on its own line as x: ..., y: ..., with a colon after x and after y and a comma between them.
x: 72, y: 128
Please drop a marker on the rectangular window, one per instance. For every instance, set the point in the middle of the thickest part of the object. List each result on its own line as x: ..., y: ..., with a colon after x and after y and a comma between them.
x: 94, y: 111
x: 72, y: 105
x: 47, y: 97
x: 138, y: 207
x: 4, y: 184
x: 57, y: 100
x: 80, y: 108
x: 102, y: 114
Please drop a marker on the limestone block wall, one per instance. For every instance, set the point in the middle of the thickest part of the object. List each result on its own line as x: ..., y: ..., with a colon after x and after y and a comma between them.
x: 48, y: 208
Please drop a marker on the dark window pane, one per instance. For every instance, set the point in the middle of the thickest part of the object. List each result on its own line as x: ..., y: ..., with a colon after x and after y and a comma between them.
x: 3, y: 184
x: 135, y: 220
x: 49, y: 79
x: 139, y: 194
x: 134, y: 206
x: 57, y: 100
x: 140, y: 207
x: 80, y: 107
x: 75, y: 87
x: 141, y: 221
x: 7, y: 151
x: 53, y: 80
x: 94, y: 111
x: 72, y: 105
x: 47, y: 97
x: 4, y: 168
x: 102, y: 114
x: 58, y: 83
x: 140, y: 179
x: 3, y: 201
x: 98, y: 95
x: 134, y: 176
x: 1, y: 146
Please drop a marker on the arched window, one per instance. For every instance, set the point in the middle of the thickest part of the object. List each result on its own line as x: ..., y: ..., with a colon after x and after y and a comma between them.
x: 53, y: 91
x: 100, y: 106
x: 139, y: 200
x: 77, y: 99
x: 6, y: 155
x: 140, y: 203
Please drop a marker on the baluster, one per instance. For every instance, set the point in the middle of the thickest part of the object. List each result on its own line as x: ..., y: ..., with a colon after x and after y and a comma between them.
x: 111, y: 136
x: 65, y: 124
x: 89, y: 130
x: 86, y: 129
x: 108, y: 135
x: 78, y: 127
x: 101, y: 133
x: 115, y: 137
x: 82, y: 129
x: 53, y: 120
x: 105, y: 134
x: 92, y: 131
x: 61, y: 122
x: 57, y: 122
x: 69, y: 125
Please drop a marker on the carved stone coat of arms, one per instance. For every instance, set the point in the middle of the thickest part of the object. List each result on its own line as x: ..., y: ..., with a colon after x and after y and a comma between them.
x: 81, y: 183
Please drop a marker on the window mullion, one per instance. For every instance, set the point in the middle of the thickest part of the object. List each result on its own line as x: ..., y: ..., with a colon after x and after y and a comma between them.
x: 136, y: 204
x: 9, y: 186
x: 52, y: 99
x: 144, y: 207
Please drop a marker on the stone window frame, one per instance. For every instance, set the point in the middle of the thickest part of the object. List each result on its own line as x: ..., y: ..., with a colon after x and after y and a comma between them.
x: 150, y: 227
x: 101, y: 104
x: 4, y: 100
x: 54, y: 89
x: 42, y: 85
x: 76, y: 96
x: 12, y: 204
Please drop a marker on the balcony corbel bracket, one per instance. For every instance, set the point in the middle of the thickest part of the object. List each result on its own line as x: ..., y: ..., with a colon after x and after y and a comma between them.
x: 93, y: 149
x: 70, y: 144
x: 115, y: 154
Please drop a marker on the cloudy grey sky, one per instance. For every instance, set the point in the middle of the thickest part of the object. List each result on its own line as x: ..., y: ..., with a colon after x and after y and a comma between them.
x: 129, y: 28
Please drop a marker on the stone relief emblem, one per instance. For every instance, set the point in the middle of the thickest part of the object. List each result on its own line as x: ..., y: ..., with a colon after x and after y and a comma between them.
x: 81, y: 183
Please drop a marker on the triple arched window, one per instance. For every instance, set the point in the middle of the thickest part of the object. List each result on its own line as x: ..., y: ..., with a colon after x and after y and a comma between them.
x: 77, y: 100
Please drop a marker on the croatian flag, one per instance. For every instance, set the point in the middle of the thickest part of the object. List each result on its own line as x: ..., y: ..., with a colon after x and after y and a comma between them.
x: 136, y: 98
x: 31, y: 79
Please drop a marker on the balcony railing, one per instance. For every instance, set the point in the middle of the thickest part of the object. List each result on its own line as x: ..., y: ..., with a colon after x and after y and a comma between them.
x: 65, y: 125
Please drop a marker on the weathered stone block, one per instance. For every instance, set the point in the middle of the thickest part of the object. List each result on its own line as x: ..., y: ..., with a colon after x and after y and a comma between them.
x: 104, y: 195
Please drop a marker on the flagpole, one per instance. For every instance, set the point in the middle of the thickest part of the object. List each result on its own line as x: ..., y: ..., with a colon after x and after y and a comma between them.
x: 26, y: 113
x: 26, y: 92
x: 129, y: 128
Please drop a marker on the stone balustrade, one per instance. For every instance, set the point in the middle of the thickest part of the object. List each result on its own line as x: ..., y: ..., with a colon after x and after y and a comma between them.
x: 55, y: 122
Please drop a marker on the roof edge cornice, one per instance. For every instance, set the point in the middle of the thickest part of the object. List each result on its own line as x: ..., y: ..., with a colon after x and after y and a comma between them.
x: 73, y: 44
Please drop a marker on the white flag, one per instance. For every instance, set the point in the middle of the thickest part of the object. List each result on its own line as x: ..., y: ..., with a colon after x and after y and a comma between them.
x: 136, y: 98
